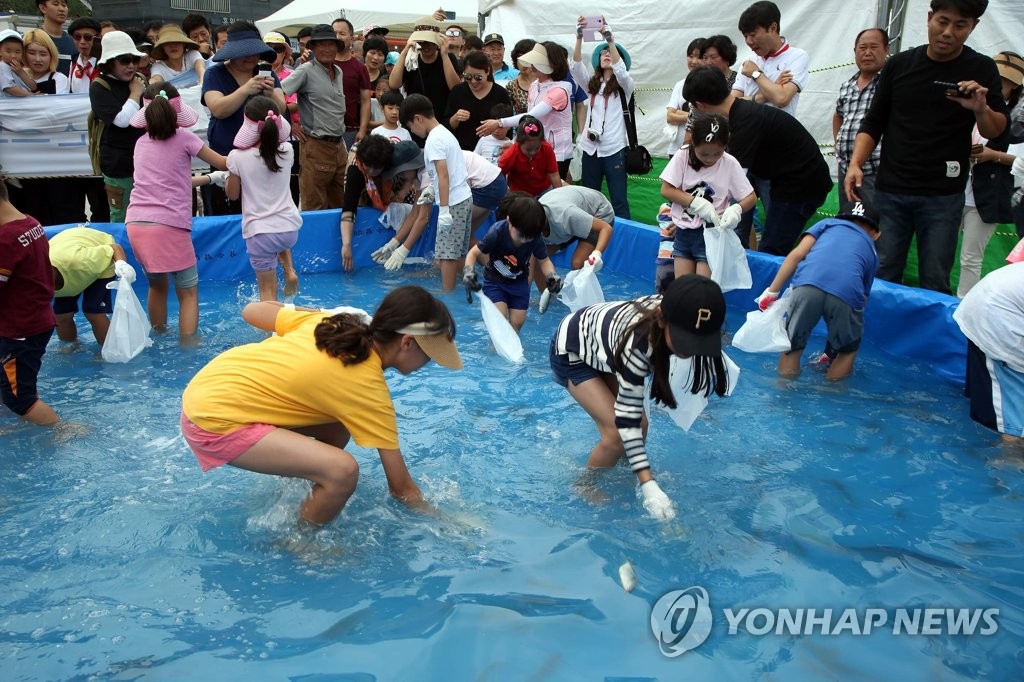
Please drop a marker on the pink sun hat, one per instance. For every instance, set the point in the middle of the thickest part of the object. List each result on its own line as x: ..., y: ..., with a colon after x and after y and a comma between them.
x: 249, y: 134
x: 187, y: 116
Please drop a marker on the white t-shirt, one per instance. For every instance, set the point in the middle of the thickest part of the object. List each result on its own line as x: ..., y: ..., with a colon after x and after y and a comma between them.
x: 604, y: 114
x: 992, y: 315
x: 267, y: 204
x: 397, y: 135
x: 676, y: 101
x: 481, y: 172
x: 491, y: 148
x: 786, y: 58
x: 718, y: 184
x: 442, y: 146
x: 167, y: 73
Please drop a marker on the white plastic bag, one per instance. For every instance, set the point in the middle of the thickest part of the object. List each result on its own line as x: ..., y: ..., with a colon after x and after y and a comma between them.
x: 581, y: 289
x: 727, y: 259
x: 503, y: 336
x: 688, y: 405
x: 576, y: 163
x: 129, y: 327
x: 765, y: 332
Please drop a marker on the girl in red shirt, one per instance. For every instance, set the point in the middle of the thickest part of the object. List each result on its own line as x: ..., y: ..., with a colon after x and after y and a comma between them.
x: 530, y: 163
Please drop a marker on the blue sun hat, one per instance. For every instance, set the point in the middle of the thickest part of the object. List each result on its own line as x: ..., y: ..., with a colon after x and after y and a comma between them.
x: 243, y: 44
x: 601, y: 47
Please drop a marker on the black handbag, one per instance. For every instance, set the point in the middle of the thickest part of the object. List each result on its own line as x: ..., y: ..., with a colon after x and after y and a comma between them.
x: 638, y: 159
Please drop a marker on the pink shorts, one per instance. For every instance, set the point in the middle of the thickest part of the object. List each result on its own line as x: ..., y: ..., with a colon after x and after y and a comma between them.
x: 215, y: 449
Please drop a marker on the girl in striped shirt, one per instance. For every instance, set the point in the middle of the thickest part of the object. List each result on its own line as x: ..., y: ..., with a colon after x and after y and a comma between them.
x: 604, y: 353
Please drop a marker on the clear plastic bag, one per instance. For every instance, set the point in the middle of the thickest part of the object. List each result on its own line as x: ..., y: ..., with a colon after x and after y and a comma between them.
x: 503, y: 336
x: 727, y: 259
x: 581, y: 289
x: 765, y: 332
x: 129, y: 327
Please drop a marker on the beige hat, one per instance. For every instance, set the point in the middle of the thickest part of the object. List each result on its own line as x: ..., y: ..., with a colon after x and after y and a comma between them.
x: 538, y: 59
x: 428, y: 30
x: 1011, y: 67
x: 274, y: 38
x: 171, y: 33
x: 439, y: 345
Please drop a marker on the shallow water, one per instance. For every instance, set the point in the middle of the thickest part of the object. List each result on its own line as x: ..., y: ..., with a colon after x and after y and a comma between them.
x: 123, y: 561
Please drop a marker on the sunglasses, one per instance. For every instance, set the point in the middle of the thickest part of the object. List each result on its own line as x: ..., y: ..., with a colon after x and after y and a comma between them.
x: 473, y: 77
x: 84, y: 37
x: 128, y: 59
x: 278, y: 48
x: 453, y: 33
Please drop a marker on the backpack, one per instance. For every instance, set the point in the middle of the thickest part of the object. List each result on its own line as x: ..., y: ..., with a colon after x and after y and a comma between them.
x: 95, y: 128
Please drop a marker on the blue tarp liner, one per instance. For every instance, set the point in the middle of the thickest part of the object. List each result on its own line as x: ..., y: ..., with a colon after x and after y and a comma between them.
x: 908, y: 323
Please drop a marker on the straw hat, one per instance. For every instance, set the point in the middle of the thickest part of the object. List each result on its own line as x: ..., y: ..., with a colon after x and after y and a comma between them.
x: 171, y: 33
x: 187, y: 116
x: 1011, y: 67
x: 538, y: 59
x: 427, y: 30
x: 117, y: 44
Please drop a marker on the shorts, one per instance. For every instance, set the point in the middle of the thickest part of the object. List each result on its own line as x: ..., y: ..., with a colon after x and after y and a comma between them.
x: 489, y: 196
x: 21, y: 360
x: 183, y: 279
x: 95, y: 299
x: 263, y: 248
x: 810, y: 304
x: 566, y: 370
x: 214, y: 449
x: 453, y: 243
x: 689, y: 244
x: 996, y: 393
x: 590, y: 239
x: 514, y: 294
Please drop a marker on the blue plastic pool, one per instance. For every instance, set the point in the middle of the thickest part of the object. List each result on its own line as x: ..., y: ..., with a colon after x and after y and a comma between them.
x: 122, y: 561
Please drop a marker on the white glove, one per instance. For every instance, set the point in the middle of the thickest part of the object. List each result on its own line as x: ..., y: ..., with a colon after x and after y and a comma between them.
x: 1018, y: 167
x: 444, y: 219
x: 396, y: 259
x: 765, y: 300
x: 656, y: 502
x: 381, y: 254
x: 412, y: 58
x: 124, y: 271
x: 702, y: 208
x: 219, y: 177
x: 730, y: 217
x: 596, y: 260
x: 426, y: 196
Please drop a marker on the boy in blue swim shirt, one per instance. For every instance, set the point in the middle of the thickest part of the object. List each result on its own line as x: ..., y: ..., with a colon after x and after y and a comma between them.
x: 832, y: 268
x: 506, y: 250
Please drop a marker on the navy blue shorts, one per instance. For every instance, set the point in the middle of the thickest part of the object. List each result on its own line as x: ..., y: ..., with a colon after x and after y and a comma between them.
x: 21, y: 360
x: 489, y: 196
x: 95, y: 299
x: 565, y: 370
x: 689, y: 244
x: 515, y: 295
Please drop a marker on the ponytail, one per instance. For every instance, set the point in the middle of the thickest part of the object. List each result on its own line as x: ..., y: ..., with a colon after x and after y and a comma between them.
x: 161, y: 119
x: 263, y: 111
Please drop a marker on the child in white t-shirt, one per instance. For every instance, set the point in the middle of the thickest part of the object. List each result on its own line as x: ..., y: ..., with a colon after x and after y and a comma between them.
x: 702, y: 181
x: 391, y: 102
x: 492, y: 146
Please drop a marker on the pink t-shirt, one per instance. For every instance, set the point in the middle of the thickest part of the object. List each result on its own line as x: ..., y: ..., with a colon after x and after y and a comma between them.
x: 720, y: 184
x: 163, y: 180
x: 267, y: 204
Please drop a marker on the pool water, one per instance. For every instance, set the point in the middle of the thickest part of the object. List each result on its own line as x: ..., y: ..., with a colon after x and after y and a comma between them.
x: 121, y: 560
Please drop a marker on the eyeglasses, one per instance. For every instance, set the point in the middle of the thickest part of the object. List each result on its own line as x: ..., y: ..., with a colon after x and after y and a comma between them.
x: 84, y: 37
x: 453, y: 33
x: 127, y: 59
x: 473, y: 77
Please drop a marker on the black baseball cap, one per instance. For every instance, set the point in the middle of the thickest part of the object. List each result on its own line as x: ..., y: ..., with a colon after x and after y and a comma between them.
x: 493, y: 38
x: 860, y: 210
x: 693, y: 307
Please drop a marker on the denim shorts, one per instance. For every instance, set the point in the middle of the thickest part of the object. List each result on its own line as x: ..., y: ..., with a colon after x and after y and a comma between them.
x: 489, y: 196
x: 565, y: 370
x: 689, y: 244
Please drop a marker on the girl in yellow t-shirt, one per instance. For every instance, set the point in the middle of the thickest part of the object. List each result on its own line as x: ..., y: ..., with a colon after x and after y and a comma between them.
x: 289, y: 404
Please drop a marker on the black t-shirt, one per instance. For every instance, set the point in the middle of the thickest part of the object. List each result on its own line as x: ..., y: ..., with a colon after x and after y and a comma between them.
x: 117, y: 145
x: 429, y: 80
x: 926, y: 138
x: 479, y: 110
x: 773, y: 145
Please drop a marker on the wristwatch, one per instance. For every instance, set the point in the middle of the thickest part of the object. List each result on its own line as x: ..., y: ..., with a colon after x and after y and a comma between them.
x: 754, y: 76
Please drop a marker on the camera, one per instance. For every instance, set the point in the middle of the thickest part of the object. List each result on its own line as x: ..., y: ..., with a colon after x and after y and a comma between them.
x: 593, y: 135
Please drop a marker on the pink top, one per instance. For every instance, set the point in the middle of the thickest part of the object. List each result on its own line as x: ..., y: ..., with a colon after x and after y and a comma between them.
x: 267, y: 204
x: 719, y: 183
x: 163, y: 180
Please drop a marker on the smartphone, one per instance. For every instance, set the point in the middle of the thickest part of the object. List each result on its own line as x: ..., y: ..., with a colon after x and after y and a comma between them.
x: 592, y: 28
x: 953, y: 90
x: 450, y: 16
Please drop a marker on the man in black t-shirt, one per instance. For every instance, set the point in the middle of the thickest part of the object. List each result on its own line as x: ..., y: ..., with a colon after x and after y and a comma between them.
x: 437, y: 71
x: 770, y: 144
x: 927, y: 127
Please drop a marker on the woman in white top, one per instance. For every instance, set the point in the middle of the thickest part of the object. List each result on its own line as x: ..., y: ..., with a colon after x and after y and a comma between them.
x: 41, y: 63
x: 602, y: 138
x: 175, y: 54
x: 550, y: 100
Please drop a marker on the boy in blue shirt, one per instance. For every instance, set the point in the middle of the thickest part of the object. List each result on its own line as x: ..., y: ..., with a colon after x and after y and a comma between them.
x: 832, y: 268
x: 505, y: 251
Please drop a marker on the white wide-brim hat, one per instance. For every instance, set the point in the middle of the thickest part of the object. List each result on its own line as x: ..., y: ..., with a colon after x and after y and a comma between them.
x: 117, y: 44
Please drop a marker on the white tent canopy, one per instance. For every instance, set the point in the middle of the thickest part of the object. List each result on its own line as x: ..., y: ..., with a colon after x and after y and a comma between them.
x: 299, y: 13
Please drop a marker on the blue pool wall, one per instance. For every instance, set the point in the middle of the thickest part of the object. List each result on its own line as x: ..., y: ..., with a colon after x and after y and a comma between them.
x: 911, y: 324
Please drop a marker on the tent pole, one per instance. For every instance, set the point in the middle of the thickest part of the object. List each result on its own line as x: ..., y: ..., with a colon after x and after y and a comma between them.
x: 891, y: 15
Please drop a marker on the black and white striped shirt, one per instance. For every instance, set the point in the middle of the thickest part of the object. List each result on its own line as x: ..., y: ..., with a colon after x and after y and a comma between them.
x: 591, y: 335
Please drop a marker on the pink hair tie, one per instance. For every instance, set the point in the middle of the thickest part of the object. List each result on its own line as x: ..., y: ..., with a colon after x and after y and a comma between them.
x: 530, y: 128
x: 271, y: 116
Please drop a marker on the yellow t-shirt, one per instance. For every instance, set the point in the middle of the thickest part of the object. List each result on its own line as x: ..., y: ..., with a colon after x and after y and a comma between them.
x: 81, y: 255
x: 286, y: 381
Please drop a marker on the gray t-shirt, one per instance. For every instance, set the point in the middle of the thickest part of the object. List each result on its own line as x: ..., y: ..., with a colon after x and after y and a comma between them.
x: 571, y: 211
x: 321, y: 100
